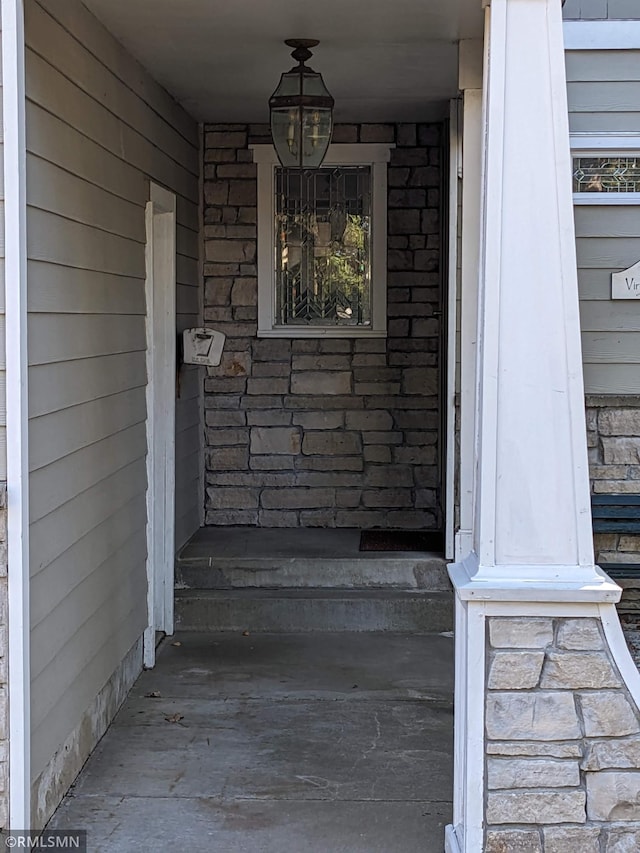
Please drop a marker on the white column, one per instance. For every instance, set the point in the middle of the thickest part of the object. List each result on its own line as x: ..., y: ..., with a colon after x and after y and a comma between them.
x: 531, y: 544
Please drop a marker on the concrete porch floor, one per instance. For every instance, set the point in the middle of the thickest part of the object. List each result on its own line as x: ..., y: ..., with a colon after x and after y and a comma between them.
x: 323, y: 743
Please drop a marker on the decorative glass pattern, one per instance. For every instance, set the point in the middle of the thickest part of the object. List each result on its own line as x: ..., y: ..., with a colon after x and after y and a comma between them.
x: 606, y: 175
x: 323, y: 246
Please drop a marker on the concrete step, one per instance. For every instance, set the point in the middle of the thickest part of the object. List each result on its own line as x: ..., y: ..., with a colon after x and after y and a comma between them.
x: 303, y: 610
x: 403, y: 573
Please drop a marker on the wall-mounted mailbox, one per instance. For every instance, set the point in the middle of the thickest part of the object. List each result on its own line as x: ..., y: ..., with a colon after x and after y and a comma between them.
x: 626, y: 284
x: 203, y: 346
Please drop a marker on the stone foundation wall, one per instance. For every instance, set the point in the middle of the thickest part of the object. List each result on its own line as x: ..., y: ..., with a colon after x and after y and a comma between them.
x: 562, y: 741
x: 613, y: 436
x: 330, y: 433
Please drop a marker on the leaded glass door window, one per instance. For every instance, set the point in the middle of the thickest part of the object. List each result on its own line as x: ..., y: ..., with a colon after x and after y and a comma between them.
x: 323, y: 246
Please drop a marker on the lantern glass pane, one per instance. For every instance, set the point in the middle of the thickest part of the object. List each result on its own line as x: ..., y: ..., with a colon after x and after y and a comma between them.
x: 323, y: 246
x: 285, y: 130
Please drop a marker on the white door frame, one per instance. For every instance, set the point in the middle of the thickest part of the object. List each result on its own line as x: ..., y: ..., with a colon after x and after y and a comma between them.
x: 161, y: 413
x: 452, y: 327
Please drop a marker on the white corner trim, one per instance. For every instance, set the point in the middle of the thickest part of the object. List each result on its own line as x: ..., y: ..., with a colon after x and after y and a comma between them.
x: 15, y: 224
x: 601, y: 35
x: 620, y: 650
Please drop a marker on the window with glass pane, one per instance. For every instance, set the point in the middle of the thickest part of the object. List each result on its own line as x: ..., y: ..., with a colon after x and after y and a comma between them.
x: 606, y: 174
x: 323, y: 246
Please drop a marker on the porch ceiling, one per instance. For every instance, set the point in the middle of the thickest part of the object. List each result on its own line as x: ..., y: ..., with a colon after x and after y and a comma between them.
x: 221, y: 59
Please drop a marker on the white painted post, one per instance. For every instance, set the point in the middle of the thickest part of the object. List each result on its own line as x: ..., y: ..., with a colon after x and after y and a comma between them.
x: 532, y: 537
x: 19, y: 681
x: 470, y: 82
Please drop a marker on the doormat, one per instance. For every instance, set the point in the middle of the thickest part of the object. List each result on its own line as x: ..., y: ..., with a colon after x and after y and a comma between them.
x: 401, y: 540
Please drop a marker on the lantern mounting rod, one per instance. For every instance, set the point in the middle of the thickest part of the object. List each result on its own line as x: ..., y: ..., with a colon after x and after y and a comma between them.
x: 301, y: 47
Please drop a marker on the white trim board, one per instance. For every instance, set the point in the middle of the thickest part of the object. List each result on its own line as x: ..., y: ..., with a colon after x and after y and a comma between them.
x: 15, y: 224
x: 161, y: 407
x: 601, y: 35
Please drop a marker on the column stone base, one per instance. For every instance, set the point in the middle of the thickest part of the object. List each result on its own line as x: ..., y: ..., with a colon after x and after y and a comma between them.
x: 547, y: 721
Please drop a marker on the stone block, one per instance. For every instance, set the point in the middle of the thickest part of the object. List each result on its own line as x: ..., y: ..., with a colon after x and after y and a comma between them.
x: 574, y: 670
x: 243, y: 193
x: 387, y: 498
x: 348, y: 498
x: 515, y: 670
x: 225, y: 139
x: 622, y: 840
x: 607, y: 472
x: 217, y: 291
x: 398, y: 176
x: 371, y: 419
x: 331, y: 443
x: 277, y: 518
x: 226, y: 459
x: 331, y: 382
x: 415, y: 455
x: 613, y: 795
x: 227, y: 437
x: 277, y: 369
x: 535, y: 749
x: 297, y: 498
x: 621, y: 451
x: 579, y: 634
x: 574, y: 839
x: 268, y: 418
x: 619, y: 422
x: 512, y: 841
x: 616, y: 754
x: 321, y: 361
x: 245, y: 291
x: 226, y: 251
x: 318, y: 518
x: 225, y: 418
x: 406, y: 135
x: 377, y: 453
x: 608, y: 714
x: 384, y: 437
x: 531, y: 716
x: 532, y: 773
x: 360, y: 518
x: 272, y: 350
x: 629, y: 543
x: 225, y: 498
x: 232, y: 364
x: 345, y: 133
x: 407, y: 198
x: 231, y: 518
x: 404, y: 221
x: 268, y: 385
x: 377, y: 133
x: 261, y: 402
x: 279, y: 462
x: 427, y: 327
x: 520, y: 633
x: 225, y: 384
x: 536, y: 807
x: 319, y: 420
x: 328, y: 463
x: 371, y: 389
x: 275, y: 440
x: 222, y: 401
x: 384, y: 475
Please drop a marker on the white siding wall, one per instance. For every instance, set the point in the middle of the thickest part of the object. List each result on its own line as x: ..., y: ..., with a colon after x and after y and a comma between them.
x: 604, y: 97
x: 98, y: 128
x: 3, y: 406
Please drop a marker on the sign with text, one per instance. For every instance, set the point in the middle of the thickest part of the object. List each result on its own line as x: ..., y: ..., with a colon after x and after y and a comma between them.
x: 626, y: 284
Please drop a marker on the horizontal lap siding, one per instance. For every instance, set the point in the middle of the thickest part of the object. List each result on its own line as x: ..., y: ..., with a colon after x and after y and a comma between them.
x: 98, y: 128
x: 3, y: 378
x: 604, y: 96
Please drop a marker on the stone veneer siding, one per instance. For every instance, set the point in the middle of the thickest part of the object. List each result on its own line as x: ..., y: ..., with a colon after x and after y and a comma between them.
x: 334, y: 432
x: 562, y: 741
x: 613, y: 436
x: 4, y: 646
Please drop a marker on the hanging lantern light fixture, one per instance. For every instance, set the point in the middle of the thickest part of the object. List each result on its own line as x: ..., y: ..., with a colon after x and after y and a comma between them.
x: 301, y: 112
